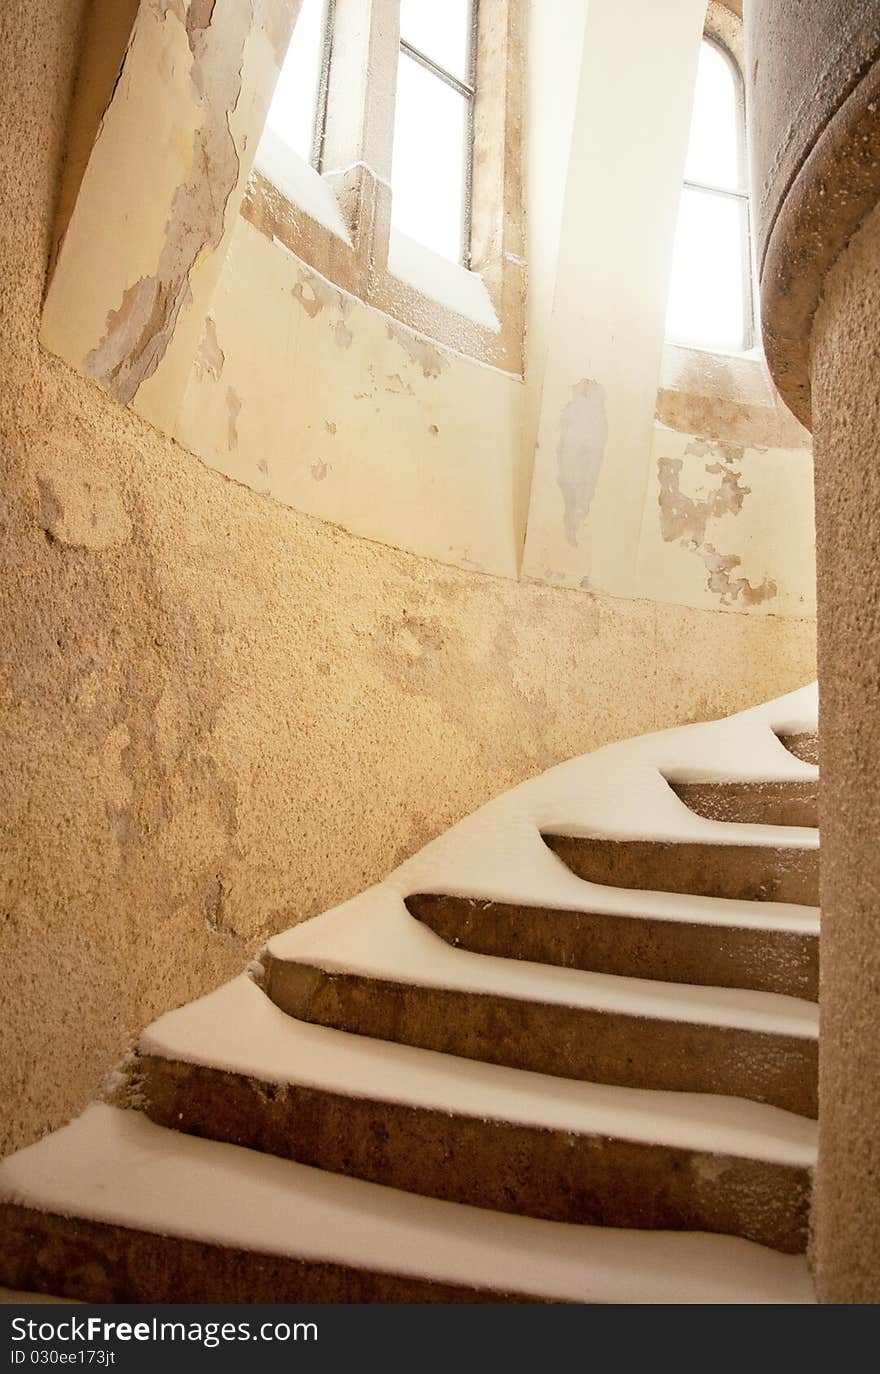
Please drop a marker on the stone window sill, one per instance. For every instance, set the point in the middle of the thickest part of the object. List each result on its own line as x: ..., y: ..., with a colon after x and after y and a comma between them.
x: 291, y: 204
x: 724, y: 396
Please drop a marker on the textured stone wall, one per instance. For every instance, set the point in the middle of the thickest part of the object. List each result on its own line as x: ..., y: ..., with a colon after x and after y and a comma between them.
x: 218, y: 716
x: 846, y: 433
x: 814, y: 72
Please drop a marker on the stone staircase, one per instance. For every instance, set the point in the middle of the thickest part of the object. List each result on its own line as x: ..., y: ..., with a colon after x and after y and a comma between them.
x: 567, y: 1052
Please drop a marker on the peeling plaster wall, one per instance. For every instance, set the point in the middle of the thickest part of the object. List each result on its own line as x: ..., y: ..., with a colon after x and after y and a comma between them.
x: 160, y: 193
x: 432, y: 452
x: 728, y: 525
x: 615, y: 250
x: 712, y: 507
x: 728, y: 516
x: 218, y: 716
x: 347, y: 415
x: 218, y: 335
x: 222, y: 339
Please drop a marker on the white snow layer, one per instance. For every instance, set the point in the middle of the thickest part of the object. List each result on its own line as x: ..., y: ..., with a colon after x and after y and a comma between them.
x: 441, y: 280
x: 239, y: 1030
x: 299, y: 183
x: 619, y: 792
x: 225, y: 1195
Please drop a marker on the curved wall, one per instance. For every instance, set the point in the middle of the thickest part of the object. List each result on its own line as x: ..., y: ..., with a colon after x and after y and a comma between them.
x: 815, y: 75
x: 209, y: 326
x: 814, y: 88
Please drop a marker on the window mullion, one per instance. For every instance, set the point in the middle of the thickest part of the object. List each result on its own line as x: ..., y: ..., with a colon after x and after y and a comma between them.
x: 359, y: 124
x: 470, y: 131
x: 323, y: 85
x: 715, y: 190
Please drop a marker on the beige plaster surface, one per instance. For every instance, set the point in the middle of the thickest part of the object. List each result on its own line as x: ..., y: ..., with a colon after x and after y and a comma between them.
x: 605, y: 339
x: 218, y: 716
x: 846, y: 419
x: 728, y: 524
x: 343, y: 413
x: 554, y: 41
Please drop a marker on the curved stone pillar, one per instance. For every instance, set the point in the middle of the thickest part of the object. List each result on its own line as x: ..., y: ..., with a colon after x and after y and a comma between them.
x: 814, y: 85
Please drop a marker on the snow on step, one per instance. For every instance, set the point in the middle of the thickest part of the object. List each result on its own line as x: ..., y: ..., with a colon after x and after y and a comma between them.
x: 374, y: 936
x: 238, y: 1029
x: 620, y: 792
x: 117, y: 1168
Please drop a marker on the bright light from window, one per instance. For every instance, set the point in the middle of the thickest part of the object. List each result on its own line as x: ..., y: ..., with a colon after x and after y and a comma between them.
x: 442, y: 31
x: 706, y: 298
x: 432, y: 124
x: 293, y: 110
x: 710, y: 289
x: 713, y: 155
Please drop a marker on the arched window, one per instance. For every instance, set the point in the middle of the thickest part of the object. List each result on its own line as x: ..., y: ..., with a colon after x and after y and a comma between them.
x: 710, y: 296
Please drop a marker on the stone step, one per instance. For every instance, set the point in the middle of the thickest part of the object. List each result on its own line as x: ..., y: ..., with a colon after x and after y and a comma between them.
x: 792, y: 802
x: 769, y: 952
x: 233, y: 1067
x: 803, y: 744
x: 749, y: 872
x: 114, y: 1208
x: 593, y: 1027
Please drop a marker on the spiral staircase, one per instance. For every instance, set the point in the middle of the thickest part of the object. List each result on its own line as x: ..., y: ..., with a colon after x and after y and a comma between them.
x: 565, y: 1053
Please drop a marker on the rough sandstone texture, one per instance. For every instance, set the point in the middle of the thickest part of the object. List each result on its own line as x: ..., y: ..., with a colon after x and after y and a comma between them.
x: 110, y: 1264
x: 507, y: 1166
x: 846, y: 415
x: 763, y: 958
x: 814, y: 79
x: 218, y: 717
x: 621, y: 1047
x: 815, y: 92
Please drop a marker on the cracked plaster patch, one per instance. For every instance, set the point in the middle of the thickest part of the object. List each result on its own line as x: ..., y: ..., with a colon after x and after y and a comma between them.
x: 140, y: 329
x: 684, y: 519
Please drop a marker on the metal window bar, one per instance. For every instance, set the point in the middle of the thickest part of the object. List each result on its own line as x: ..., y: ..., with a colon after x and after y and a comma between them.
x: 468, y: 90
x: 320, y: 124
x: 715, y: 190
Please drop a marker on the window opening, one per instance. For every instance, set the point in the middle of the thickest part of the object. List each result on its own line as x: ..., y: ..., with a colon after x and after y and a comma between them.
x: 432, y: 156
x: 297, y: 113
x: 710, y: 296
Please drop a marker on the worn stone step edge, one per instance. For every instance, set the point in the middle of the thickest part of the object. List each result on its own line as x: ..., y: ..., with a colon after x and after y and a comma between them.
x: 784, y: 873
x: 238, y: 1029
x: 600, y: 1046
x: 500, y: 1165
x: 764, y: 957
x: 115, y: 1169
x: 386, y: 943
x: 468, y: 1132
x: 803, y: 744
x: 793, y: 802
